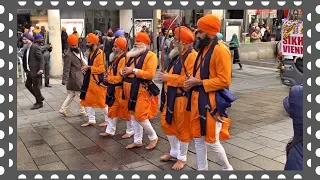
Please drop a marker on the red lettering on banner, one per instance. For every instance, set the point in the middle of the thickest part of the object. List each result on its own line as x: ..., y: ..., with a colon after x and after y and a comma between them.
x: 293, y: 49
x: 300, y: 41
x: 293, y: 40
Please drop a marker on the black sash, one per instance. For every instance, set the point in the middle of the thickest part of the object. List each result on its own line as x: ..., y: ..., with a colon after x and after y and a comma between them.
x: 135, y: 82
x: 203, y: 101
x: 172, y: 91
x: 110, y: 98
x: 86, y: 79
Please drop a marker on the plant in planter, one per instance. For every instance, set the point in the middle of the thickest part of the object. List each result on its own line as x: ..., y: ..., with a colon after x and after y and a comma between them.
x: 280, y: 66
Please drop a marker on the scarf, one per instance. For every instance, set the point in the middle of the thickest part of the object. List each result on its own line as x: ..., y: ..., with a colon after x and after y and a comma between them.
x: 111, y: 87
x: 135, y: 82
x: 86, y: 79
x: 235, y: 40
x: 172, y: 91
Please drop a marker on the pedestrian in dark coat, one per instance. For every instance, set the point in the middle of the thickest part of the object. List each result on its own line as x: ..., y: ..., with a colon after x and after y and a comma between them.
x: 64, y: 39
x: 294, y: 107
x: 45, y: 49
x: 33, y: 65
x: 234, y: 45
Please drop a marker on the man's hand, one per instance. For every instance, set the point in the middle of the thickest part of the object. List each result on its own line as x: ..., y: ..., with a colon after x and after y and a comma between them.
x: 127, y: 71
x: 64, y: 83
x: 105, y: 76
x: 191, y: 82
x: 163, y: 76
x: 85, y: 68
x: 40, y: 72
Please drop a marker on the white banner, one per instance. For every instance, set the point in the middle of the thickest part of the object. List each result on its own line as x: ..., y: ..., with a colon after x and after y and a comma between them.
x: 70, y: 23
x: 293, y: 45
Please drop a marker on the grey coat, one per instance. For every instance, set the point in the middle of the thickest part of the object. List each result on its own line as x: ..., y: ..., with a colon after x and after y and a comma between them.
x: 72, y: 74
x: 45, y: 51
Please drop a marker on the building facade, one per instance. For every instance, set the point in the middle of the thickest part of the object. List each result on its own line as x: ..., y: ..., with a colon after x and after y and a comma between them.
x: 101, y: 20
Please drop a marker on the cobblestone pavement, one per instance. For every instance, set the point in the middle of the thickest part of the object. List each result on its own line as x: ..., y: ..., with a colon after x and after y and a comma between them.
x: 49, y: 141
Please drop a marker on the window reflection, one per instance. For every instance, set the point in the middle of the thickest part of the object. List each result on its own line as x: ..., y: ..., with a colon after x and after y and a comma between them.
x: 101, y: 20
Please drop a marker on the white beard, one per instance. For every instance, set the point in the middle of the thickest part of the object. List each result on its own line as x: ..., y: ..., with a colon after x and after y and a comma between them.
x: 86, y: 54
x: 136, y: 51
x: 113, y: 56
x: 174, y: 53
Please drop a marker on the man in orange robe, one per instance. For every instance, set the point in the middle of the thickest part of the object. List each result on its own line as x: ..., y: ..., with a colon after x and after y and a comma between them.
x: 114, y: 100
x: 138, y: 90
x: 93, y: 95
x: 211, y: 73
x: 175, y: 119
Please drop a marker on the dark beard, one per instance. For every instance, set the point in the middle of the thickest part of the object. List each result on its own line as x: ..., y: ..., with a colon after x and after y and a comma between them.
x: 76, y: 50
x: 90, y: 47
x: 203, y: 42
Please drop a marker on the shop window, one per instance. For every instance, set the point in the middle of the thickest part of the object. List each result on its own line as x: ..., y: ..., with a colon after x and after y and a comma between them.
x: 235, y: 14
x: 101, y: 20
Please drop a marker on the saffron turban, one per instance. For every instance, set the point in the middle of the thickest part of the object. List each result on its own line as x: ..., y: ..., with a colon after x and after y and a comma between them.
x: 63, y: 29
x: 209, y: 24
x: 121, y: 43
x: 92, y: 38
x: 186, y: 35
x: 73, y: 40
x: 143, y: 37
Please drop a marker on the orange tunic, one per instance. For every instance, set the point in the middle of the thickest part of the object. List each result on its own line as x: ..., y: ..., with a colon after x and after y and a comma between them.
x: 147, y: 105
x: 180, y: 126
x: 96, y: 95
x: 219, y: 78
x: 118, y: 109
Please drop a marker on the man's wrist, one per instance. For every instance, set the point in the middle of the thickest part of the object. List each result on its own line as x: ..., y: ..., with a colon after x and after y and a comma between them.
x: 135, y: 71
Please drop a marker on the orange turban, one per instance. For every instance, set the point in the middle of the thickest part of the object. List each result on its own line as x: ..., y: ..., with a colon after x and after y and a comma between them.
x: 92, y: 38
x: 186, y: 35
x: 143, y: 37
x: 209, y: 24
x: 73, y: 40
x: 63, y: 29
x: 121, y: 43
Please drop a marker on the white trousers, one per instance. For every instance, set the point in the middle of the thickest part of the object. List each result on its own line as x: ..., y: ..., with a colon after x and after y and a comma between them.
x: 71, y: 95
x: 112, y: 126
x: 92, y: 114
x: 178, y: 149
x: 201, y: 151
x: 138, y: 130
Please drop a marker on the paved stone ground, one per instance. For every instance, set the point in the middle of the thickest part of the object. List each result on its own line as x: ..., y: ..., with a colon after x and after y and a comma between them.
x: 260, y: 130
x: 268, y: 63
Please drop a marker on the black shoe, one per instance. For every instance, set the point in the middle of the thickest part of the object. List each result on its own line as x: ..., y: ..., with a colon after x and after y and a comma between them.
x: 37, y: 106
x: 48, y: 85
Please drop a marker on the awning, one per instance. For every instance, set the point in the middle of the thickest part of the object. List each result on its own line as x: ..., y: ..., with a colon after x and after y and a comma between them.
x: 262, y: 11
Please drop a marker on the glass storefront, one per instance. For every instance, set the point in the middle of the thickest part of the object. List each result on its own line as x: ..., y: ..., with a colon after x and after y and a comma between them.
x: 101, y: 20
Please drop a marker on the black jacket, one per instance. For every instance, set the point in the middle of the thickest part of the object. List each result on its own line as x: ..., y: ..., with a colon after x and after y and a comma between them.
x: 35, y: 60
